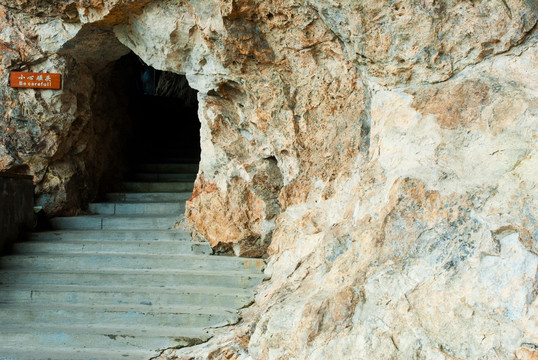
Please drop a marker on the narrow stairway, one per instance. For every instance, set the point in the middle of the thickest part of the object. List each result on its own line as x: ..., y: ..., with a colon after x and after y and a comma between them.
x: 119, y: 284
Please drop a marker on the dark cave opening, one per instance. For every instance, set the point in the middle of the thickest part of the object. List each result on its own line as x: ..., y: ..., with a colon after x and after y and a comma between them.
x: 164, y: 113
x: 160, y: 114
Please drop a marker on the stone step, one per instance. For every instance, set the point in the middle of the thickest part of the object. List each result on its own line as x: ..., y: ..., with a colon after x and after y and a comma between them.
x: 112, y: 246
x: 118, y: 235
x: 110, y: 315
x: 165, y: 177
x: 161, y: 187
x: 133, y: 277
x: 120, y: 284
x: 168, y: 168
x: 148, y: 197
x: 114, y: 222
x: 152, y: 208
x: 28, y: 352
x: 126, y: 295
x: 102, y: 261
x: 117, y: 340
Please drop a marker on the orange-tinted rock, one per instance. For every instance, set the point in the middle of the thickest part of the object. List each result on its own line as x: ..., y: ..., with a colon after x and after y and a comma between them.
x: 382, y: 154
x: 457, y: 105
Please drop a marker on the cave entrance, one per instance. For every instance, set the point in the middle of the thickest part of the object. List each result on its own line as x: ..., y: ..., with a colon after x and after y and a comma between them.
x: 150, y: 117
x: 164, y: 113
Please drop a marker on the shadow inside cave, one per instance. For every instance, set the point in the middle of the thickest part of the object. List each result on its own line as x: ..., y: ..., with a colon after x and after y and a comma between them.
x: 162, y: 112
x: 164, y: 115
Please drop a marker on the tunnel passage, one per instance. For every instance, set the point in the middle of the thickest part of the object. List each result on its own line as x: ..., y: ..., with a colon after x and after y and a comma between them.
x: 161, y: 122
x: 163, y: 109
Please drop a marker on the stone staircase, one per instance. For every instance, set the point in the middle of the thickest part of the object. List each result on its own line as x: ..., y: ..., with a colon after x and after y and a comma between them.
x: 118, y: 284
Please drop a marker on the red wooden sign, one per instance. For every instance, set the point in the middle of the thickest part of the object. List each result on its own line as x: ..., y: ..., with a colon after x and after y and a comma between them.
x: 35, y: 80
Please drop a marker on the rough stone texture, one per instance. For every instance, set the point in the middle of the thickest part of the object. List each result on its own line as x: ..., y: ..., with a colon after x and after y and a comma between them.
x: 383, y: 154
x: 60, y: 137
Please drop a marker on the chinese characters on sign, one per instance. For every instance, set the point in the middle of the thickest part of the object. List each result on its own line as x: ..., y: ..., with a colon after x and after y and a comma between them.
x: 35, y: 80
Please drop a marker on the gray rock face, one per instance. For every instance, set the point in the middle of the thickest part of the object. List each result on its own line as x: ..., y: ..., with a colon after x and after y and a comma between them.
x: 383, y: 155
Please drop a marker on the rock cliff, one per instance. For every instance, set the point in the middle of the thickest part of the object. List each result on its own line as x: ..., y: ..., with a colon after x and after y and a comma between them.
x: 381, y: 155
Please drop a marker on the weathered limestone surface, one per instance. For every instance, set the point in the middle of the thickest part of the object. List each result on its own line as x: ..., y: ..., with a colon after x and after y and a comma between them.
x: 382, y: 154
x: 62, y: 138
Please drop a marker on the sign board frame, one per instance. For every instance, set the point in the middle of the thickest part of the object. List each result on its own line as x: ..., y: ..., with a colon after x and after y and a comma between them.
x: 35, y: 80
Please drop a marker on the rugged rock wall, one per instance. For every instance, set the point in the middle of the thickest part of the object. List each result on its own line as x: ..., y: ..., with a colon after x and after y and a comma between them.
x: 382, y: 153
x: 69, y: 140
